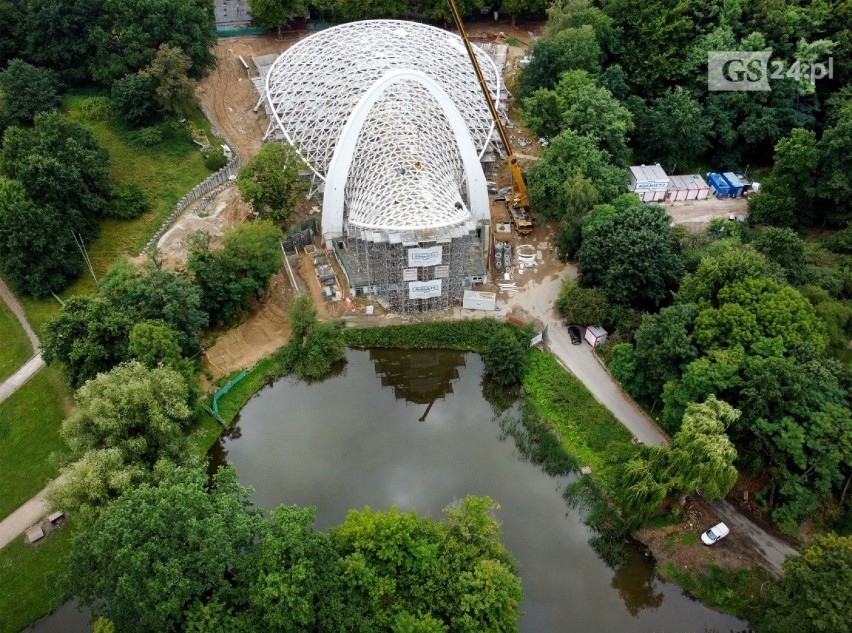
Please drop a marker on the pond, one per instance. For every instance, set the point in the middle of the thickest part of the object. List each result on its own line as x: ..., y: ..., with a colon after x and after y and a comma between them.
x: 414, y: 429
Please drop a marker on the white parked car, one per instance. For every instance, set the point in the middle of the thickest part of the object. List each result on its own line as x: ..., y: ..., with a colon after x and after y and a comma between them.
x: 715, y: 533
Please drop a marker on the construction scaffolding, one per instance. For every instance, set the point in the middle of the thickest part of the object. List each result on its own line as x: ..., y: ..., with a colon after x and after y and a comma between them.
x: 379, y: 263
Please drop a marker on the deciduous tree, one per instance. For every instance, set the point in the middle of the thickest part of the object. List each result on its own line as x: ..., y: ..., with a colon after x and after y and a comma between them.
x: 673, y: 131
x: 174, y: 91
x: 569, y: 49
x: 243, y: 266
x: 271, y: 183
x: 275, y: 14
x: 812, y: 596
x: 38, y: 254
x: 505, y: 358
x: 27, y: 90
x: 631, y: 256
x: 157, y: 550
x: 702, y: 457
x: 88, y: 336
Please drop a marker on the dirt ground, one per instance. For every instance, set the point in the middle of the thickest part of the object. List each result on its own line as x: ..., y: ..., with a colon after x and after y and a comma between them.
x: 228, y: 94
x: 264, y: 331
x: 698, y: 213
x: 681, y: 546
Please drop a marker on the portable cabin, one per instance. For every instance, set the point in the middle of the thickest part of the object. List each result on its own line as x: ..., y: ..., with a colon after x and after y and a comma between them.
x: 737, y: 185
x: 720, y: 186
x: 595, y: 335
x: 688, y: 187
x: 649, y: 182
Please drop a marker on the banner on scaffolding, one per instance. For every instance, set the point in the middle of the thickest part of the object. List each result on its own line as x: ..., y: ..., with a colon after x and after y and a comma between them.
x: 424, y: 289
x: 425, y: 256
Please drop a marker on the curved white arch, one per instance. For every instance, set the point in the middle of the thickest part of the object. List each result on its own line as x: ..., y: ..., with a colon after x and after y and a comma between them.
x: 344, y: 151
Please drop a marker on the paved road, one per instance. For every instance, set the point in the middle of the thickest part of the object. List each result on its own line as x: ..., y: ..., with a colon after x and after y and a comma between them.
x: 538, y: 299
x: 14, y: 382
x: 27, y: 515
x: 10, y: 300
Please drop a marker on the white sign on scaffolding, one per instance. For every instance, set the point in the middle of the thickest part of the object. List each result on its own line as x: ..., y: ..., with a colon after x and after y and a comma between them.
x: 425, y: 256
x: 409, y: 274
x: 424, y: 289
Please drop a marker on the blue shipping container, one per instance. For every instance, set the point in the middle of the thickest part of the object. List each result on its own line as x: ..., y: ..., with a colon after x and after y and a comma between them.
x: 737, y: 185
x: 720, y: 186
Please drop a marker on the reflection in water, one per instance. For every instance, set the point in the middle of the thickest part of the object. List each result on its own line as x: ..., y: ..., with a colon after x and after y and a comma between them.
x: 636, y: 584
x: 418, y: 376
x: 348, y: 443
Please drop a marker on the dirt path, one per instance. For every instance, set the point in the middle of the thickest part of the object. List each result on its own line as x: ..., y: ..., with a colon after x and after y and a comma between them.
x: 229, y: 96
x: 698, y: 213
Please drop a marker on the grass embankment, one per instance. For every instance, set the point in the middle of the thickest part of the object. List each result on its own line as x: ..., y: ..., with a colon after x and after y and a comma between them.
x: 27, y: 576
x: 30, y: 420
x: 15, y: 347
x: 737, y: 593
x: 164, y: 172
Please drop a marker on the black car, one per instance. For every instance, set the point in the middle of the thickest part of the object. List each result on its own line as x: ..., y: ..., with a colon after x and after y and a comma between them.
x: 574, y: 333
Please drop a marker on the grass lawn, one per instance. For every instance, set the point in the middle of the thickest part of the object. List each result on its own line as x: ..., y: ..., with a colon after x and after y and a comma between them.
x: 29, y: 432
x: 165, y: 172
x: 27, y: 578
x: 586, y: 429
x: 15, y: 347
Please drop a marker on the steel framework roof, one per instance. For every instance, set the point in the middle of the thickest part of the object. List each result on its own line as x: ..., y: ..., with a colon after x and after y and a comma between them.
x: 406, y: 169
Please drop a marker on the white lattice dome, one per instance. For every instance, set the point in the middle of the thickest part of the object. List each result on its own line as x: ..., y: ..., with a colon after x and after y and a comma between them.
x: 406, y: 163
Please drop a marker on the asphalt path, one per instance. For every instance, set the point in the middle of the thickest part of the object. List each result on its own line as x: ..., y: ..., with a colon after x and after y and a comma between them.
x: 538, y: 299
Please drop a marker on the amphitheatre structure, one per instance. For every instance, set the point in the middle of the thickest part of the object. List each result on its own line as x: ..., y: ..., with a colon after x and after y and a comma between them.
x: 391, y: 120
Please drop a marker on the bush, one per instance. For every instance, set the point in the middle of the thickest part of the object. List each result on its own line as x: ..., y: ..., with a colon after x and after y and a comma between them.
x: 505, y: 358
x: 215, y: 159
x: 132, y: 98
x: 147, y: 136
x: 129, y: 201
x: 96, y: 109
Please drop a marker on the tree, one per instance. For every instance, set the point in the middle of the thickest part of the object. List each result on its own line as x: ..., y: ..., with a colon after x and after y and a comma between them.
x: 631, y: 256
x: 579, y: 104
x: 457, y: 572
x: 515, y: 8
x: 292, y: 578
x: 812, y: 595
x: 505, y: 357
x: 154, y: 343
x: 142, y: 412
x: 837, y: 164
x: 583, y: 306
x: 702, y: 457
x: 270, y: 182
x: 641, y: 489
x: 58, y: 34
x: 129, y: 32
x: 437, y: 10
x: 250, y: 255
x: 60, y: 164
x: 785, y: 248
x: 153, y: 293
x: 157, y: 550
x: 753, y: 311
x: 275, y: 14
x: 664, y: 347
x: 87, y: 337
x: 673, y: 131
x: 38, y: 254
x: 567, y: 157
x: 27, y: 90
x: 174, y: 91
x: 725, y: 262
x: 570, y: 49
x: 370, y: 9
x: 132, y: 97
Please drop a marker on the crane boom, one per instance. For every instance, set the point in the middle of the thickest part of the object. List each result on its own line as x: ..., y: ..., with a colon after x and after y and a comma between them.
x: 519, y: 187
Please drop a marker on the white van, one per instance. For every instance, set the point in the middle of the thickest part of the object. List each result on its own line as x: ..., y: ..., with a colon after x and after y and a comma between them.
x: 715, y: 533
